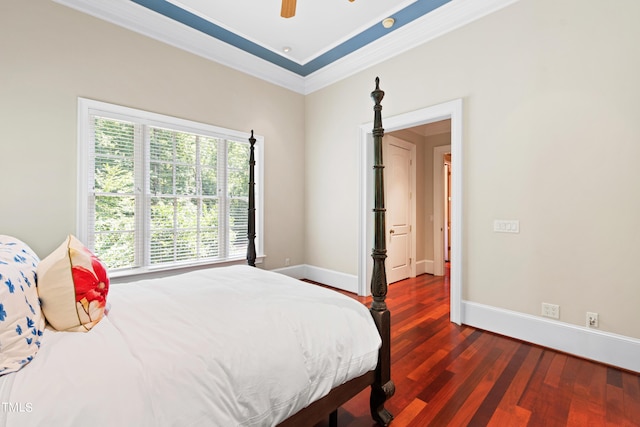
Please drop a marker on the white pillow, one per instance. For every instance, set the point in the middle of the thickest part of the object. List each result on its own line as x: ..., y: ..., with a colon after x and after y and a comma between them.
x: 21, y: 320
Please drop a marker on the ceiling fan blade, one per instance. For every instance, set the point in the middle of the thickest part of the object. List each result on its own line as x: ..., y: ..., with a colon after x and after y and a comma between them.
x: 288, y: 8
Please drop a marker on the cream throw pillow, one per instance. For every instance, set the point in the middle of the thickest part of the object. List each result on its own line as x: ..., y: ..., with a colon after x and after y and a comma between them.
x: 73, y: 287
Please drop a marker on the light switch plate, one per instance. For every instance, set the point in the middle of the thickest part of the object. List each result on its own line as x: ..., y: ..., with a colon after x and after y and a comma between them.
x: 506, y: 226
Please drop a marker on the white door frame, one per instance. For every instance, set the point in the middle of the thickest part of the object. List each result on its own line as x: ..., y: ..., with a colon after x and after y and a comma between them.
x: 448, y: 110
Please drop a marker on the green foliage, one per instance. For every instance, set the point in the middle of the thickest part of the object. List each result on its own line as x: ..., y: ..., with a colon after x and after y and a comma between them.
x: 114, y: 187
x: 183, y: 198
x: 238, y: 173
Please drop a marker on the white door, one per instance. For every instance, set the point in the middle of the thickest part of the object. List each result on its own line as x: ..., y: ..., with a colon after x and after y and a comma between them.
x: 399, y: 179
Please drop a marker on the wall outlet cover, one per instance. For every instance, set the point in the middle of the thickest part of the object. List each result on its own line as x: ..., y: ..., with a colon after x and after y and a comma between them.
x: 551, y: 310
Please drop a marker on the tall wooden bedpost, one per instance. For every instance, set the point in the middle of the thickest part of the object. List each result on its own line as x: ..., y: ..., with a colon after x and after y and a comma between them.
x: 383, y: 388
x: 251, y: 233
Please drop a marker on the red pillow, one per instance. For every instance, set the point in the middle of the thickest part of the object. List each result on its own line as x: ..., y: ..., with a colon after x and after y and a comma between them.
x: 73, y: 287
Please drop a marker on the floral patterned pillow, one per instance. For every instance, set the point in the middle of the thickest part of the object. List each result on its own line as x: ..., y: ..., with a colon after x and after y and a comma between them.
x: 21, y: 321
x: 73, y: 287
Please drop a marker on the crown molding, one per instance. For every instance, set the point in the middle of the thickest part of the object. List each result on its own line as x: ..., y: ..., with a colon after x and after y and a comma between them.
x: 134, y: 17
x: 445, y: 19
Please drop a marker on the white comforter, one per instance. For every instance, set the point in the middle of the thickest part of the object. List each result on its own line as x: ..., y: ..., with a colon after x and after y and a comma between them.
x: 233, y: 346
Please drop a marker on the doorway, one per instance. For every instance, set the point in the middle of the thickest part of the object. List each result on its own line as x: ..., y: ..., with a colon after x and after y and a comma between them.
x: 447, y: 207
x: 449, y: 110
x: 441, y: 209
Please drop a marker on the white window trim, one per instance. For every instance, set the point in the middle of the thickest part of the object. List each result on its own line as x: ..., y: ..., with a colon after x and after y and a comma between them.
x: 86, y: 107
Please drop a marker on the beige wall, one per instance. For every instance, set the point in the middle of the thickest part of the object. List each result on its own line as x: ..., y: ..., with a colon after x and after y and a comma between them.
x: 429, y: 143
x: 551, y: 138
x: 50, y: 55
x: 551, y: 135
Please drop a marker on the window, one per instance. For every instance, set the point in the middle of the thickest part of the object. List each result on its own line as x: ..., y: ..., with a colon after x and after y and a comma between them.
x: 157, y: 192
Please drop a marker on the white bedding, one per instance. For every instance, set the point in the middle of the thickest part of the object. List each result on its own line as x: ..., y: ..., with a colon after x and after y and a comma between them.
x: 233, y: 346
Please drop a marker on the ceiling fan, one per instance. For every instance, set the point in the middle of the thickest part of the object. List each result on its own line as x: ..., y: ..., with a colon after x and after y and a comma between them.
x: 289, y: 8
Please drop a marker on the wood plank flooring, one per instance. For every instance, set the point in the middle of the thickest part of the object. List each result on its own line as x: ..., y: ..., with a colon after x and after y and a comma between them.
x: 449, y: 375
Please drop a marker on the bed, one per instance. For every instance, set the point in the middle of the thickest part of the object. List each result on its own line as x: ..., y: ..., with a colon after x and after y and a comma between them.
x: 229, y: 346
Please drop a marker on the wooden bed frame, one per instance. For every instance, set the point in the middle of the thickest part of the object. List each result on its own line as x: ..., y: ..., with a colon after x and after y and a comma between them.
x: 379, y: 379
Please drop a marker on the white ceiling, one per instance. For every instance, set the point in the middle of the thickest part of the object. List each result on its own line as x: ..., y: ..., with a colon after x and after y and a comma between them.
x: 318, y: 25
x: 329, y: 39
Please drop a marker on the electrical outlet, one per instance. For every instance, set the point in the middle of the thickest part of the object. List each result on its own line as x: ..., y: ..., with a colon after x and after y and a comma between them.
x: 550, y: 310
x: 592, y: 320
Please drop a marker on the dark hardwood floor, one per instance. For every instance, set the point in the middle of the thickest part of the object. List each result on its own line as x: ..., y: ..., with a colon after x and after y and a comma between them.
x: 449, y: 375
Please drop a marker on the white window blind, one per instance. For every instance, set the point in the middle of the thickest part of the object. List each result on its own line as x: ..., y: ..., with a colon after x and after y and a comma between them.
x: 160, y: 192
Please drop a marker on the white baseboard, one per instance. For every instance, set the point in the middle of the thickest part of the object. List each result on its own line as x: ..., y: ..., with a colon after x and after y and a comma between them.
x: 295, y: 271
x: 345, y: 282
x: 424, y: 267
x: 604, y: 347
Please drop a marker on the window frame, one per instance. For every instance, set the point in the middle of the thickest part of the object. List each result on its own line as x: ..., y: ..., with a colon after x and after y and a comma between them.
x: 88, y: 107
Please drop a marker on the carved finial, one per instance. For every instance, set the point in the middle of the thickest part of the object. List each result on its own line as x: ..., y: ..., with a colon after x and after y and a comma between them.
x: 377, y: 94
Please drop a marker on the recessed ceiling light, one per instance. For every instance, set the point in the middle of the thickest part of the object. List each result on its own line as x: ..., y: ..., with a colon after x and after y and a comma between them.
x: 388, y: 22
x: 286, y: 49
